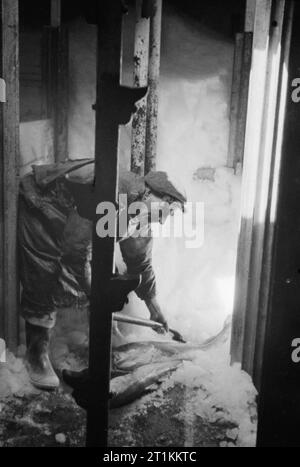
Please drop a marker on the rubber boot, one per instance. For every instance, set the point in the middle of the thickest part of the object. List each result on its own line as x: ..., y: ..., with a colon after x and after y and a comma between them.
x: 38, y: 364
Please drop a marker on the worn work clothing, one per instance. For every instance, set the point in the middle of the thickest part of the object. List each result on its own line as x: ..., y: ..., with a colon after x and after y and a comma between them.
x: 55, y: 232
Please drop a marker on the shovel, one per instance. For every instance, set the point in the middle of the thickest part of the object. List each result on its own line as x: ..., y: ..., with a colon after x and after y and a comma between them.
x: 148, y: 323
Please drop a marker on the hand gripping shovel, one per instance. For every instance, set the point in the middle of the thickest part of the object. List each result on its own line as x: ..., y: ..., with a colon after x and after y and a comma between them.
x: 122, y: 318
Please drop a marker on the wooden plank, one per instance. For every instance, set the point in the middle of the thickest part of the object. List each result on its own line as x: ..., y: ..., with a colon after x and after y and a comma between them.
x: 55, y: 13
x: 56, y: 86
x: 235, y: 94
x: 141, y: 58
x: 114, y: 106
x: 9, y: 169
x: 267, y: 260
x: 239, y: 98
x: 251, y: 157
x: 108, y: 110
x: 153, y: 83
x: 62, y: 95
x: 56, y: 79
x: 264, y: 175
x: 243, y: 96
x: 279, y: 399
x: 2, y: 275
x: 250, y: 15
x: 47, y: 71
x: 2, y: 217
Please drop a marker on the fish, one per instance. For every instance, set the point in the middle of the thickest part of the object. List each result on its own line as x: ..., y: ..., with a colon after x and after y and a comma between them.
x: 138, y: 367
x: 130, y: 356
x: 124, y: 388
x: 128, y: 388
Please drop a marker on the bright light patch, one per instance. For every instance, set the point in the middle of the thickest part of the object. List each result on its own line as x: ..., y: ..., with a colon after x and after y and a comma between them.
x: 2, y: 351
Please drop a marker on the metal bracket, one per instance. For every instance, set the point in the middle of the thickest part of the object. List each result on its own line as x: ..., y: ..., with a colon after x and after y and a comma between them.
x: 119, y: 101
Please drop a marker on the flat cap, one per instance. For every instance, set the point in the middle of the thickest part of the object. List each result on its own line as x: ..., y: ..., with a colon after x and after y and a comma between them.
x: 162, y: 184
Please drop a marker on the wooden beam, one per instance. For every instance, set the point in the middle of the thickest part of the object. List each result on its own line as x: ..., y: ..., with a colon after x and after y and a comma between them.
x: 235, y: 94
x: 251, y: 158
x: 153, y: 83
x: 2, y: 309
x: 56, y: 39
x: 106, y: 170
x: 9, y: 170
x: 240, y: 88
x: 55, y: 13
x: 250, y: 15
x: 267, y: 260
x: 279, y: 398
x: 114, y: 107
x: 239, y: 97
x: 243, y: 96
x: 61, y: 120
x: 264, y: 175
x: 141, y: 58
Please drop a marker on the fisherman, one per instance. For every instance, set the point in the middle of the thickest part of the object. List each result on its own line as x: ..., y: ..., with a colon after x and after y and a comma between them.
x: 56, y: 208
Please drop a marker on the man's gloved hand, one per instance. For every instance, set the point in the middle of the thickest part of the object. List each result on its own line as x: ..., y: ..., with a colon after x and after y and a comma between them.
x: 155, y: 312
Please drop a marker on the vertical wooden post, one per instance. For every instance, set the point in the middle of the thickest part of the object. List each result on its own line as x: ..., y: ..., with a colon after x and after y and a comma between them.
x: 153, y: 83
x: 250, y: 15
x: 9, y: 170
x: 279, y: 398
x: 55, y: 12
x: 2, y: 216
x: 58, y: 76
x: 62, y: 95
x: 106, y: 170
x: 114, y: 107
x: 240, y: 88
x: 267, y: 260
x: 243, y: 96
x: 251, y: 158
x: 235, y: 95
x: 141, y: 57
x: 260, y: 217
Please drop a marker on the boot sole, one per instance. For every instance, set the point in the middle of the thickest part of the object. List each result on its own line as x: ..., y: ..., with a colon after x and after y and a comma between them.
x: 47, y: 387
x: 39, y: 385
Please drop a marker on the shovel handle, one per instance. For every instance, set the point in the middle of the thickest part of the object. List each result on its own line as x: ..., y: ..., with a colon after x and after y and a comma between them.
x: 121, y: 318
x: 148, y: 323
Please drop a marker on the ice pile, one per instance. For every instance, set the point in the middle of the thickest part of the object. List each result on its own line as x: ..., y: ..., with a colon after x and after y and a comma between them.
x: 219, y: 393
x: 213, y: 391
x: 13, y: 376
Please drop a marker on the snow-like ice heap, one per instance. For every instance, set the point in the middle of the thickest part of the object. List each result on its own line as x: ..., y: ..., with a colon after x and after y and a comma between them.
x: 220, y: 393
x: 214, y: 392
x: 13, y: 377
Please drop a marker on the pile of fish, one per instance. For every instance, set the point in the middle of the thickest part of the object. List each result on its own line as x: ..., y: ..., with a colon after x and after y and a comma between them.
x: 144, y: 365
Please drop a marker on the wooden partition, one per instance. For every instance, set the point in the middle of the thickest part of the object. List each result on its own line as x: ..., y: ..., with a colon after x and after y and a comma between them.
x: 255, y: 109
x: 260, y: 169
x: 147, y: 72
x: 9, y: 170
x: 140, y: 79
x: 279, y: 398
